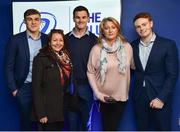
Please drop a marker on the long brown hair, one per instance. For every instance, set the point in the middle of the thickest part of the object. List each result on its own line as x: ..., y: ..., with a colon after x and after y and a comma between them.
x: 47, y: 48
x: 64, y: 68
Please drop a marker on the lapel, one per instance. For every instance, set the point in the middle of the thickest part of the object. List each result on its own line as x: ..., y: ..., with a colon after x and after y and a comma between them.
x: 152, y: 53
x: 43, y: 39
x: 136, y: 56
x: 25, y: 46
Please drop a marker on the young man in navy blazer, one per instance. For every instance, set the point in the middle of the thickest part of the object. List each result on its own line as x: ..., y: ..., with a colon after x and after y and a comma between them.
x: 20, y: 52
x: 156, y: 62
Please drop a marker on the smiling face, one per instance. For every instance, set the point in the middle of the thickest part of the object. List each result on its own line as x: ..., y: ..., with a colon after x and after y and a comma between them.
x: 81, y: 19
x: 143, y: 27
x: 57, y: 42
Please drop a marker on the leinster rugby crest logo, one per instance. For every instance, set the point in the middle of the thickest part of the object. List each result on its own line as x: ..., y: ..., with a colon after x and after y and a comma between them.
x: 48, y: 22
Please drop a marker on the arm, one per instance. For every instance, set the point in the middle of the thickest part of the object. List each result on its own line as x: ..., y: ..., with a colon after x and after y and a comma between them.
x: 10, y: 54
x: 171, y: 65
x: 37, y: 88
x: 91, y: 74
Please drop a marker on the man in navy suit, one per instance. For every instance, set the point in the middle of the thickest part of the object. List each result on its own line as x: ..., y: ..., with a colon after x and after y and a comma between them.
x: 156, y: 62
x: 20, y: 52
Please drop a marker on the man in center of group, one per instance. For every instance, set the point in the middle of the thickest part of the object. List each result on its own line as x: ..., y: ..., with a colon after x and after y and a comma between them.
x: 79, y: 43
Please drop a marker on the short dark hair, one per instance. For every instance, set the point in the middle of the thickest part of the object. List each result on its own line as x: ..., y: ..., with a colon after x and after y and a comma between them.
x: 31, y: 12
x: 80, y: 8
x: 142, y: 15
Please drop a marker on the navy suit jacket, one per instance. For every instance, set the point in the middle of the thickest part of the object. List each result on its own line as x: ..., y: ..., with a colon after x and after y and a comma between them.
x: 161, y: 71
x: 17, y: 60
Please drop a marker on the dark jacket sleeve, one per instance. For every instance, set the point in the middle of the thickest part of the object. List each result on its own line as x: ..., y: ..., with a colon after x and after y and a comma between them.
x: 10, y: 54
x: 172, y: 70
x: 37, y: 88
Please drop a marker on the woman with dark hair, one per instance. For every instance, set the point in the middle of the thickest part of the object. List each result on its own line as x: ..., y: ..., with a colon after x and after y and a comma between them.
x: 50, y: 77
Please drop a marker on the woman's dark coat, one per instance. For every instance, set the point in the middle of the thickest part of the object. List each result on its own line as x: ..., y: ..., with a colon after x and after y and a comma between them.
x: 46, y: 88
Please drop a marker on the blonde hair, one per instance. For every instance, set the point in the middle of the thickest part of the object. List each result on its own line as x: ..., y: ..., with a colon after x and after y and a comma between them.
x: 101, y: 28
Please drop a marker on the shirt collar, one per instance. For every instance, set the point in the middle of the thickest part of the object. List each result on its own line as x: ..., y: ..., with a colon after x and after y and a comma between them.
x: 73, y: 32
x: 150, y: 42
x: 29, y: 36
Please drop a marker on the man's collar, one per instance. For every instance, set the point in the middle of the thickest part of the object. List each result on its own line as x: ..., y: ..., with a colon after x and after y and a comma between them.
x: 151, y: 40
x: 73, y: 32
x: 30, y: 36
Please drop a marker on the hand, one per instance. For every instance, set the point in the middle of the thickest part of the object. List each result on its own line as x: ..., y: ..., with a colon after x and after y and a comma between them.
x: 14, y: 93
x: 156, y: 104
x: 43, y: 120
x: 101, y: 96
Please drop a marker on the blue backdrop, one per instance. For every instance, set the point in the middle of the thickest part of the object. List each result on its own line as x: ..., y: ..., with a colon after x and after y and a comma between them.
x: 166, y: 18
